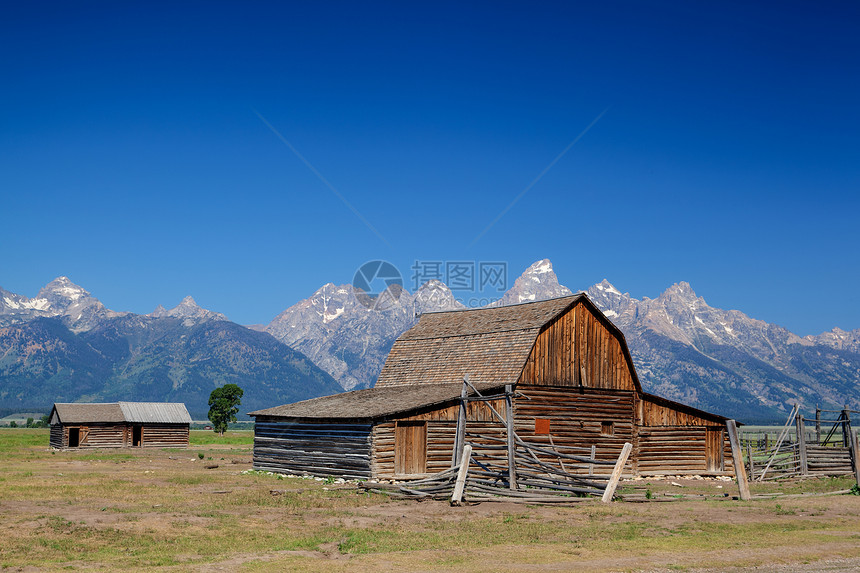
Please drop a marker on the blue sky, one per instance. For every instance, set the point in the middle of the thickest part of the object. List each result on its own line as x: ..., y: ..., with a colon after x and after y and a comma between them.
x: 134, y: 161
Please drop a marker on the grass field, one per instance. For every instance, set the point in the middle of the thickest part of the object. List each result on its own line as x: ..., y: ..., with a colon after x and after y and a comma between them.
x: 162, y: 509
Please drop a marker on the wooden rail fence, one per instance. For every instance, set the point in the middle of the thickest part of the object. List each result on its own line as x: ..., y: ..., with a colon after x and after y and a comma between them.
x: 819, y: 447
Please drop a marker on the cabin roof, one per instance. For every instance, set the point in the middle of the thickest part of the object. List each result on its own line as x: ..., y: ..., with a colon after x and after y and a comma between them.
x: 132, y: 412
x: 491, y: 345
x: 372, y: 403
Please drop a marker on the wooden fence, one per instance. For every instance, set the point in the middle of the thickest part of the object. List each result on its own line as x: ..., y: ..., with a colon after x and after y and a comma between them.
x: 824, y: 446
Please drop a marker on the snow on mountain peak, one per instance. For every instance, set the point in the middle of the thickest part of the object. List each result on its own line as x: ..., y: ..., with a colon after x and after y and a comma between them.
x: 537, y: 269
x: 606, y: 287
x: 62, y: 288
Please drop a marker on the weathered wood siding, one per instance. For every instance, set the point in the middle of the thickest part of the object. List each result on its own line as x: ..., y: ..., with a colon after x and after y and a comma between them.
x: 683, y: 450
x: 577, y: 349
x: 577, y: 418
x: 120, y: 435
x: 653, y: 413
x: 162, y: 435
x: 56, y: 439
x: 337, y: 448
x: 441, y: 427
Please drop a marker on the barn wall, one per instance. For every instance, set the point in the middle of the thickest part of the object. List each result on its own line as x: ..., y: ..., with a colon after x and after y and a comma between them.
x: 441, y: 429
x: 578, y: 349
x: 670, y: 449
x: 684, y: 450
x: 320, y: 448
x: 653, y: 413
x: 56, y: 439
x: 162, y: 435
x: 95, y: 435
x: 577, y: 419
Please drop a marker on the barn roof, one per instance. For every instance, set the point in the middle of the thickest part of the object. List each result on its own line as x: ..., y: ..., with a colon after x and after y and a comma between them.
x: 372, y: 403
x: 133, y: 412
x: 491, y: 345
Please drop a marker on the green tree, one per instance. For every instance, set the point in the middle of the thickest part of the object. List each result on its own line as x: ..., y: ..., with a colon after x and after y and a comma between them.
x: 223, y: 404
x: 13, y: 424
x: 29, y: 422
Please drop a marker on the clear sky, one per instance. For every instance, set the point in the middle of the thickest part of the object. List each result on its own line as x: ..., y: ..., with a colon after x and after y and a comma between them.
x: 139, y: 153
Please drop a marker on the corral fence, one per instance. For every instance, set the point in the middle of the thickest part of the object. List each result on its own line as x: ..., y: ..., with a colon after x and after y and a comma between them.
x: 824, y: 446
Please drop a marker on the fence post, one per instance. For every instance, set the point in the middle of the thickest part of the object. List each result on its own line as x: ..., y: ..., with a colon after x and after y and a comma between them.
x: 737, y: 458
x: 750, y: 459
x: 593, y: 457
x: 817, y: 425
x: 854, y: 457
x: 801, y: 444
x: 460, y: 435
x: 616, y: 473
x: 846, y: 427
x: 512, y: 444
x: 460, y: 484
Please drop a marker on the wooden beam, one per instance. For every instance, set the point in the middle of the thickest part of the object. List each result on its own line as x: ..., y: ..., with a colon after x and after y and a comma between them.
x: 616, y: 473
x: 460, y: 484
x: 801, y: 444
x: 737, y: 458
x: 509, y: 431
x: 460, y: 435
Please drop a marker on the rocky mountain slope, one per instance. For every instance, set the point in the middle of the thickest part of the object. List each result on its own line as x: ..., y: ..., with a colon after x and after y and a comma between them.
x: 348, y: 339
x: 63, y: 345
x: 725, y: 361
x: 683, y: 349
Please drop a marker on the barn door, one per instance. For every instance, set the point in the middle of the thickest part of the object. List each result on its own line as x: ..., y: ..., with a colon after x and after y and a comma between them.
x: 74, y: 437
x: 137, y: 436
x: 85, y: 433
x: 714, y: 449
x: 410, y: 448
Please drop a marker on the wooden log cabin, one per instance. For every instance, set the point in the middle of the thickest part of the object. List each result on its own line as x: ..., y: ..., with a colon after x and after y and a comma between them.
x: 119, y: 425
x: 574, y: 387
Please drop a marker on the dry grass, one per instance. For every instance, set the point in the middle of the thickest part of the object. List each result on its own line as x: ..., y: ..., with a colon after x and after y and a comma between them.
x: 145, y: 509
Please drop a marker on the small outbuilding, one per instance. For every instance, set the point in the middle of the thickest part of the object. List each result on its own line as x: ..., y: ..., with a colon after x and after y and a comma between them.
x: 119, y: 425
x: 571, y: 386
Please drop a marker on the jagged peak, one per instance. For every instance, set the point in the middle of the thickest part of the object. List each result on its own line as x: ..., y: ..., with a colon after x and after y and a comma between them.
x: 433, y: 284
x: 682, y: 289
x: 64, y: 287
x: 188, y: 301
x: 607, y: 287
x: 540, y: 267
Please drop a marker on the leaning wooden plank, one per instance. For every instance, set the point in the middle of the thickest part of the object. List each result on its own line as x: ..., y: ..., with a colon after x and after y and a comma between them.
x: 616, y: 473
x: 457, y: 496
x: 737, y: 458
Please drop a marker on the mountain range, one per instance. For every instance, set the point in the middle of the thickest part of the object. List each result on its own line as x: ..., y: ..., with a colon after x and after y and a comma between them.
x: 64, y: 345
x: 718, y: 360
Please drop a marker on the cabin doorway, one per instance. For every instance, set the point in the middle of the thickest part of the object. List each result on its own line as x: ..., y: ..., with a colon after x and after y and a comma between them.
x: 74, y: 437
x: 137, y: 436
x: 714, y: 449
x: 410, y: 448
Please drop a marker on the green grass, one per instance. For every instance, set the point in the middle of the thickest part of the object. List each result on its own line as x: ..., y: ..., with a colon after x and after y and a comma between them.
x: 230, y: 438
x: 142, y: 509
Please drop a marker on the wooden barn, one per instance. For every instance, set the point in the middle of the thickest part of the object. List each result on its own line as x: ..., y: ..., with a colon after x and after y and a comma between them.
x: 571, y: 387
x: 119, y: 425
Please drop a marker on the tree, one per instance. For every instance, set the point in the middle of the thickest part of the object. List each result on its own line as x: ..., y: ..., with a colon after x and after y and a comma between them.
x: 223, y: 404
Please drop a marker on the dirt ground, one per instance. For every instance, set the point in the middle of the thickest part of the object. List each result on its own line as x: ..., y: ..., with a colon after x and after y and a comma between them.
x: 165, y: 510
